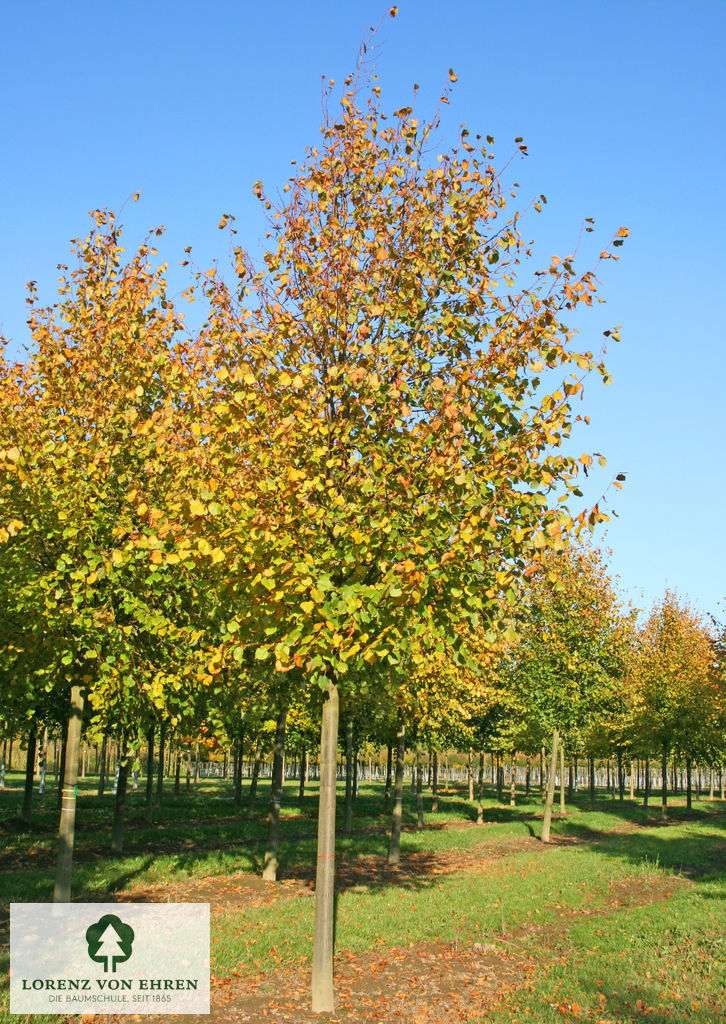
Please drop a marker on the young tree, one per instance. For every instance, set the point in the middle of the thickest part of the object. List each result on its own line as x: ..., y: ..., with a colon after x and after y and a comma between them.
x: 681, y: 694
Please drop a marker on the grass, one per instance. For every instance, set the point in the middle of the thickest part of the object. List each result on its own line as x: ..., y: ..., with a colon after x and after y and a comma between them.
x: 596, y: 960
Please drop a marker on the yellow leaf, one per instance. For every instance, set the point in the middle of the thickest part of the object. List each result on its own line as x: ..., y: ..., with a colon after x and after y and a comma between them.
x: 197, y: 508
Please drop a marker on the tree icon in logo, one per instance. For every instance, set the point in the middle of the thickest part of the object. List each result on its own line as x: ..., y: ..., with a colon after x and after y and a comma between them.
x: 109, y: 941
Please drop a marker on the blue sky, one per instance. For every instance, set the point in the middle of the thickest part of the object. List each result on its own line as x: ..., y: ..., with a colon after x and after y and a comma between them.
x: 620, y: 104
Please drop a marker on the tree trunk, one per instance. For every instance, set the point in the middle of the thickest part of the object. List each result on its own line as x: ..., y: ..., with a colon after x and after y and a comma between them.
x: 632, y: 780
x: 419, y: 786
x: 389, y: 773
x: 150, y: 774
x: 322, y: 974
x: 67, y: 825
x: 64, y: 746
x: 562, y: 778
x: 42, y: 761
x: 29, y: 773
x: 269, y: 871
x: 117, y: 834
x: 711, y: 776
x: 542, y: 774
x: 528, y: 777
x: 394, y: 850
x: 513, y: 786
x: 253, y: 783
x: 621, y: 777
x: 303, y: 774
x: 664, y: 784
x: 196, y: 763
x: 592, y: 780
x: 177, y: 773
x: 470, y: 777
x: 102, y: 772
x: 239, y: 752
x: 646, y: 782
x: 435, y: 784
x: 348, y: 824
x: 356, y: 770
x: 689, y: 795
x: 480, y: 799
x: 160, y: 769
x: 547, y: 821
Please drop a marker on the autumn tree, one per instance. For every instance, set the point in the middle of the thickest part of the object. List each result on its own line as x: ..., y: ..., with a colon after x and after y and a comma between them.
x: 680, y: 691
x: 570, y: 650
x: 94, y: 469
x: 385, y: 453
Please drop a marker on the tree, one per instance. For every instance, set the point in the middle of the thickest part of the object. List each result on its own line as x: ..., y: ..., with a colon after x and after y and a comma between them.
x: 571, y: 648
x: 680, y: 693
x: 378, y: 474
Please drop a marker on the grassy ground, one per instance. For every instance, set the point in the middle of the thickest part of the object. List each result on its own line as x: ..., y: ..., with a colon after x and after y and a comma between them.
x: 620, y: 919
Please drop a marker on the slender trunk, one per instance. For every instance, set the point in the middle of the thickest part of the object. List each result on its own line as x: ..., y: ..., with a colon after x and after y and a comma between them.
x: 562, y: 778
x: 63, y: 754
x: 394, y: 850
x: 546, y: 823
x: 570, y: 782
x: 239, y: 751
x: 117, y: 834
x: 646, y: 782
x: 513, y: 786
x: 499, y: 776
x: 303, y: 774
x: 575, y: 770
x: 542, y: 774
x: 480, y: 797
x: 389, y: 773
x: 29, y: 773
x: 253, y: 783
x: 322, y: 975
x: 470, y: 777
x: 711, y: 775
x: 435, y: 784
x: 67, y: 824
x: 160, y: 769
x: 196, y: 763
x: 592, y: 780
x: 664, y: 784
x: 722, y: 779
x: 177, y: 773
x: 621, y: 777
x: 632, y: 780
x: 419, y: 786
x: 348, y: 777
x: 689, y: 796
x: 102, y: 773
x: 188, y: 784
x: 269, y: 871
x: 356, y: 770
x: 150, y: 774
x: 42, y: 761
x: 528, y: 777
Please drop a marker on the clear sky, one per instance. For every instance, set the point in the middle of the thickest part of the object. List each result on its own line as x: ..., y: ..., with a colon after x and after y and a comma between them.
x: 621, y: 105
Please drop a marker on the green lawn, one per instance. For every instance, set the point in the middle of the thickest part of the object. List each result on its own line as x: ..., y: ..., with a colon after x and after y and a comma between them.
x: 577, y: 909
